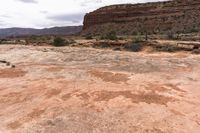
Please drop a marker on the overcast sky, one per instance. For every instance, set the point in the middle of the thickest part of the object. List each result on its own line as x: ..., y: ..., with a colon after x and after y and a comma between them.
x: 50, y: 13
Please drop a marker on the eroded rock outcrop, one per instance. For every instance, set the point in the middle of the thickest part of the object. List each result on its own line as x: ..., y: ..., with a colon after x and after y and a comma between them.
x: 160, y: 17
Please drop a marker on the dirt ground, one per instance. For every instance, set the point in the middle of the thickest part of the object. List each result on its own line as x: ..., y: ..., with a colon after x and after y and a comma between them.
x: 86, y: 90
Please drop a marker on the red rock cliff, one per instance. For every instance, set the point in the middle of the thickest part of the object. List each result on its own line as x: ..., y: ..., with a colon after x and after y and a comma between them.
x: 159, y: 17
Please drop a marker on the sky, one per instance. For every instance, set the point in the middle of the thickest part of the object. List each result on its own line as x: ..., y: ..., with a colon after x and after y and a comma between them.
x: 50, y: 13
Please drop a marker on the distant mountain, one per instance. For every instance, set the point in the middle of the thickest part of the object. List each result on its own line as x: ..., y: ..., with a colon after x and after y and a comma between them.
x: 68, y: 30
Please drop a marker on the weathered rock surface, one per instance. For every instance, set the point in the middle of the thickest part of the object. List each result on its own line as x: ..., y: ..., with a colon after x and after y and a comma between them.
x: 85, y: 90
x: 161, y: 17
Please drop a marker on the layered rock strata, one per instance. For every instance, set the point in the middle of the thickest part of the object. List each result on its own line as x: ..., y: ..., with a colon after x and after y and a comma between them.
x: 159, y: 17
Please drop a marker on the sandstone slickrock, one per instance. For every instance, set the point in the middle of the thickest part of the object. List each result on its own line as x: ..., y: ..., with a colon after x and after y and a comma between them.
x: 160, y: 17
x: 86, y: 90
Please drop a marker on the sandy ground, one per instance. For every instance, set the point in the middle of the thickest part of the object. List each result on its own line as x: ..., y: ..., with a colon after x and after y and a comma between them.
x: 85, y: 90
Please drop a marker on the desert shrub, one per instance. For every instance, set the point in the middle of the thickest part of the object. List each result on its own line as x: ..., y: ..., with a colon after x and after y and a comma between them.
x: 6, y: 41
x: 170, y: 35
x: 38, y: 39
x: 58, y: 42
x: 104, y: 45
x: 135, y: 33
x: 194, y: 30
x: 117, y: 49
x: 2, y: 41
x: 121, y: 38
x: 112, y: 36
x: 69, y: 41
x: 88, y: 36
x: 168, y: 48
x: 137, y: 39
x: 102, y: 37
x: 109, y: 36
x: 101, y: 45
x: 134, y: 47
x: 33, y: 37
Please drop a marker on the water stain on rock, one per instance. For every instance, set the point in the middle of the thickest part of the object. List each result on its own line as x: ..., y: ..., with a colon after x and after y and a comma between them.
x: 14, y: 125
x: 55, y: 69
x: 99, y: 96
x: 156, y: 87
x: 11, y: 73
x: 52, y: 93
x: 109, y: 76
x: 174, y: 87
x: 83, y: 96
x: 149, y: 98
x: 163, y: 88
x: 36, y: 113
x: 66, y: 96
x: 176, y: 112
x: 12, y: 98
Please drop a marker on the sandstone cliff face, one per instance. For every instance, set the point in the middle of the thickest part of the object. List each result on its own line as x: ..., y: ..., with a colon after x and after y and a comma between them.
x: 161, y: 17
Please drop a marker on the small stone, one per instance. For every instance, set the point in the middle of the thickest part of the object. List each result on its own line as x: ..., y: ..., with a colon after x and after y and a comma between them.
x: 8, y: 64
x: 13, y: 66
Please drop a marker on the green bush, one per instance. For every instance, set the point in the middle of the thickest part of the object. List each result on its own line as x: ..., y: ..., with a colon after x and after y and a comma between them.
x: 137, y: 39
x: 109, y: 36
x: 121, y: 38
x: 3, y: 41
x: 33, y: 37
x: 102, y: 37
x: 88, y: 37
x: 170, y: 36
x: 134, y: 47
x: 135, y: 33
x: 58, y: 42
x: 167, y: 48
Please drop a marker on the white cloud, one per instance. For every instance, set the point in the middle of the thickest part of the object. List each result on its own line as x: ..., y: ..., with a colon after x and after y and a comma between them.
x: 28, y: 1
x: 48, y: 13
